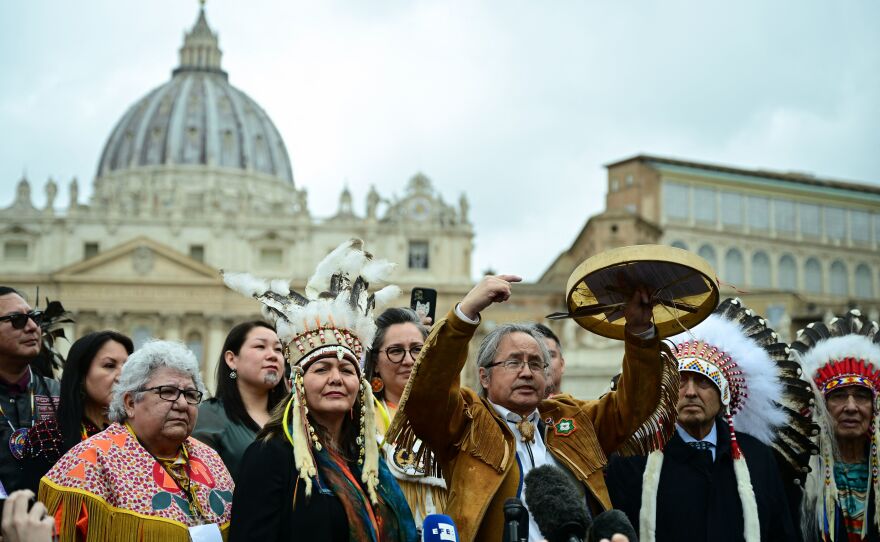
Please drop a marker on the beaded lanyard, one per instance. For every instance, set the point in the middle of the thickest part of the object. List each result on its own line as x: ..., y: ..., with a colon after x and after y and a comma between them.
x: 18, y: 440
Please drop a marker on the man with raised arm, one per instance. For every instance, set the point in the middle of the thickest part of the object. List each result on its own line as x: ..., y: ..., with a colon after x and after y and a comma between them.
x: 485, y: 441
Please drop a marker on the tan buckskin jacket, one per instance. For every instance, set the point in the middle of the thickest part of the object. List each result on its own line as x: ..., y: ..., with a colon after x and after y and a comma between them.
x: 475, y: 448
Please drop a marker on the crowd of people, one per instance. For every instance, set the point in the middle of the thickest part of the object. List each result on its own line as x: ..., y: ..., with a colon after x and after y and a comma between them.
x: 340, y: 417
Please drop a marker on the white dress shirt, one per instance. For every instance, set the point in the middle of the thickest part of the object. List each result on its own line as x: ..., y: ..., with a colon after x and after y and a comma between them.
x: 711, y: 438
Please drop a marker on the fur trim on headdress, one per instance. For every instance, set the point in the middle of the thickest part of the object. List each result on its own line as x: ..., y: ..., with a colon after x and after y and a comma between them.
x: 844, y: 352
x: 738, y: 366
x: 333, y: 317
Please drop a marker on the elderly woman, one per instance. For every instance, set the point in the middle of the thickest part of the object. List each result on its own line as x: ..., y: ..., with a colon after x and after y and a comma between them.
x: 144, y: 478
x: 400, y: 336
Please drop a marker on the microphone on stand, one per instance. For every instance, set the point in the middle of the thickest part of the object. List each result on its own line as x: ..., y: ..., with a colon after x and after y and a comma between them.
x: 439, y: 528
x: 609, y: 523
x: 516, y: 521
x: 557, y: 506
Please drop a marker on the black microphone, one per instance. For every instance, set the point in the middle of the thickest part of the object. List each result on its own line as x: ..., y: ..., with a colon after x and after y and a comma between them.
x: 516, y: 521
x: 609, y: 523
x: 557, y: 506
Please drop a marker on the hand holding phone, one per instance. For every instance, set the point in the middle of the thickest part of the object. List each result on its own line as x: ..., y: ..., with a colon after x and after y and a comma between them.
x: 424, y: 302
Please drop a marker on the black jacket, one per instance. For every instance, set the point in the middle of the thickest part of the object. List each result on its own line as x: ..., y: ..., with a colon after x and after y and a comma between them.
x: 697, y: 500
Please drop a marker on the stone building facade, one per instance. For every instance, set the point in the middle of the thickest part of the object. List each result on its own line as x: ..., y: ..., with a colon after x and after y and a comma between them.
x: 195, y: 178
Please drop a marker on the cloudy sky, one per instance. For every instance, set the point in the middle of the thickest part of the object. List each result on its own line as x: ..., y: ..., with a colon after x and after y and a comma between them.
x: 517, y: 103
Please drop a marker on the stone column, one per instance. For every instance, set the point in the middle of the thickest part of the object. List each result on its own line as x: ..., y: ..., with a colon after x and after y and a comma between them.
x: 213, y: 343
x: 171, y: 327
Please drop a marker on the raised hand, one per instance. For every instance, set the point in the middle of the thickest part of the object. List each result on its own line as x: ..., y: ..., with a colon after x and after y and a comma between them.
x: 491, y: 289
x: 638, y: 311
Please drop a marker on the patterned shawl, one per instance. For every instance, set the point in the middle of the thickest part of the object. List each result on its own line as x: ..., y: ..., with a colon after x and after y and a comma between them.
x: 125, y: 494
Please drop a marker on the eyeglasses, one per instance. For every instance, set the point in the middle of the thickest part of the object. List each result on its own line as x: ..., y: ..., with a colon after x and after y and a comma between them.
x: 171, y: 393
x: 861, y: 396
x: 396, y: 353
x: 516, y: 365
x: 19, y: 319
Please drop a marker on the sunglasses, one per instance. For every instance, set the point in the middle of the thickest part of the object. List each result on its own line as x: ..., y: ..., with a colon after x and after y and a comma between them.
x: 19, y: 319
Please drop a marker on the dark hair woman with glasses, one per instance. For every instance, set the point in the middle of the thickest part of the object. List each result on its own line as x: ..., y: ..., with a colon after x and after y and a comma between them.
x: 399, y: 338
x: 250, y: 382
x: 144, y: 477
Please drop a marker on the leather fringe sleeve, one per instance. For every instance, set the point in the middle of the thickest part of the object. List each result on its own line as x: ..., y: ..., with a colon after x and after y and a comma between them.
x: 656, y: 431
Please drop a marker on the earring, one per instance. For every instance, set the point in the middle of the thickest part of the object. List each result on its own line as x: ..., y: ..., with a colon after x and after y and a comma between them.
x: 233, y: 375
x: 377, y: 384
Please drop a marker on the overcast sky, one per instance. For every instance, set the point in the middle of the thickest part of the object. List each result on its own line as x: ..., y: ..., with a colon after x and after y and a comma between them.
x: 517, y: 103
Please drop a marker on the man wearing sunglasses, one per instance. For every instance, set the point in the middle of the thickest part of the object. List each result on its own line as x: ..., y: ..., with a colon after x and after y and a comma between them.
x: 25, y: 397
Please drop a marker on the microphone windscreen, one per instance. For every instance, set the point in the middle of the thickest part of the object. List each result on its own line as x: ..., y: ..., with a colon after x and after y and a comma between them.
x: 439, y: 527
x: 610, y: 523
x: 555, y: 503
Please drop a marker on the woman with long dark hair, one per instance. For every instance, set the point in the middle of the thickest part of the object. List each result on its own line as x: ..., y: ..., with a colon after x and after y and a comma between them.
x: 92, y: 368
x: 250, y: 375
x: 315, y: 472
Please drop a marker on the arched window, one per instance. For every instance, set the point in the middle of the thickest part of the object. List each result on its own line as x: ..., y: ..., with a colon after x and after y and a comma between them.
x: 813, y: 276
x: 680, y: 244
x: 708, y: 253
x: 839, y: 279
x: 787, y: 273
x: 760, y: 270
x: 734, y: 269
x: 864, y: 288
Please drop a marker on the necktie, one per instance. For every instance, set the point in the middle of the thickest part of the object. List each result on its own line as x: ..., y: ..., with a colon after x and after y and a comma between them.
x: 704, y: 449
x: 526, y: 429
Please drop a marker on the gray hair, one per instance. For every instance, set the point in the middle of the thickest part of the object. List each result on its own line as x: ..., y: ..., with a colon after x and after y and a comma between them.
x: 489, y: 348
x: 141, y: 366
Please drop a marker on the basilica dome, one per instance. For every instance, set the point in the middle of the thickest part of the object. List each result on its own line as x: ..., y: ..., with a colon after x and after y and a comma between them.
x: 197, y: 118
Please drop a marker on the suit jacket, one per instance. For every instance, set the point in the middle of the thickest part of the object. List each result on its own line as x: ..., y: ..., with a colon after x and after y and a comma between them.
x: 476, y: 448
x: 697, y: 499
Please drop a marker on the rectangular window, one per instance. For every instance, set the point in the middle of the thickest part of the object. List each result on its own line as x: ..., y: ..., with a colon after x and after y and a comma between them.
x: 835, y: 223
x: 675, y: 201
x: 704, y: 205
x: 90, y: 250
x: 197, y: 252
x: 271, y: 256
x: 15, y: 250
x: 418, y: 255
x: 809, y: 219
x: 877, y: 228
x: 783, y: 215
x: 731, y: 209
x: 860, y: 226
x: 758, y: 212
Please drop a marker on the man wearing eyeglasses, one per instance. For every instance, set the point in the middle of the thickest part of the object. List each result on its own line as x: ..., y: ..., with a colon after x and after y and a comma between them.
x: 486, y: 441
x: 25, y: 397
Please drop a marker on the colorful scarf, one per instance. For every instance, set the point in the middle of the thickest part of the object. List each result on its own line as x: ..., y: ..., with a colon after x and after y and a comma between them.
x: 852, y: 496
x: 126, y: 494
x: 389, y: 521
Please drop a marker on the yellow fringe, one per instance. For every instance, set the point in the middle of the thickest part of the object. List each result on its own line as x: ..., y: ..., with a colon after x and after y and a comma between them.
x: 107, y: 522
x: 416, y: 495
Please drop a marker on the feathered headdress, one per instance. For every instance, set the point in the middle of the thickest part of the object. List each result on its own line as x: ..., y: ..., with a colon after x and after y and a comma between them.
x: 334, y: 316
x: 844, y: 352
x: 760, y: 392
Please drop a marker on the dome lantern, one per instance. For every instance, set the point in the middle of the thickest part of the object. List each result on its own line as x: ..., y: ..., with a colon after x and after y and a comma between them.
x: 201, y: 49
